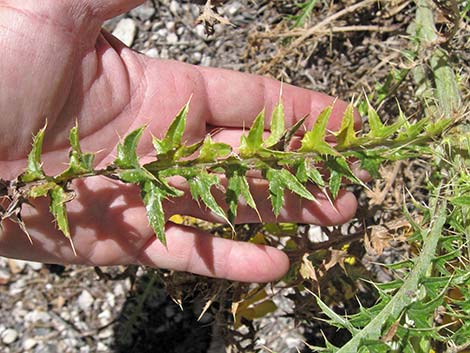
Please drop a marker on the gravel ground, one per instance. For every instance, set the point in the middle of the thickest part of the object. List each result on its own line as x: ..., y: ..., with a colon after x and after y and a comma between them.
x: 49, y: 308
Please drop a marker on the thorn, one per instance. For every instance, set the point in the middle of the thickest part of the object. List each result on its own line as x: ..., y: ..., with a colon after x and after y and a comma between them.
x: 73, y: 246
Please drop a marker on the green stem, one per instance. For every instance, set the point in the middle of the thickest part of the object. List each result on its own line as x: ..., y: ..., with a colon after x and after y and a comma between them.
x: 406, y: 294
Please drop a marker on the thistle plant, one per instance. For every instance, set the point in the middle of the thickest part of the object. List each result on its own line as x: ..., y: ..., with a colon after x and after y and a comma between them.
x: 204, y: 162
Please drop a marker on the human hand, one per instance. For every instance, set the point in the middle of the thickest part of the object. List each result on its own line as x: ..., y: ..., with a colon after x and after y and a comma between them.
x: 57, y: 64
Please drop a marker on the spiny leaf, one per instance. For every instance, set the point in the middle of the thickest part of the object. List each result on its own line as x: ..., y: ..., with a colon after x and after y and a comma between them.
x: 174, y: 134
x: 237, y: 185
x: 211, y: 151
x: 80, y: 163
x: 346, y: 136
x: 59, y: 197
x: 277, y: 125
x: 153, y: 196
x: 34, y: 170
x: 127, y: 150
x: 200, y: 187
x: 314, y: 140
x: 336, y: 319
x: 279, y: 180
x: 377, y: 128
x: 252, y: 143
x: 306, y: 171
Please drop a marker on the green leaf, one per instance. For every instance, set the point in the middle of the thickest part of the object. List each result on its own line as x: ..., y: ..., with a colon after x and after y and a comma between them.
x: 252, y: 143
x: 34, y: 170
x: 336, y: 319
x: 211, y: 151
x: 200, y: 187
x: 127, y: 150
x: 461, y: 201
x: 335, y: 183
x: 59, y: 198
x: 277, y: 126
x: 153, y: 196
x: 402, y: 298
x: 306, y: 171
x: 314, y: 140
x: 79, y: 162
x: 279, y: 180
x: 174, y: 134
x: 346, y: 136
x: 237, y: 185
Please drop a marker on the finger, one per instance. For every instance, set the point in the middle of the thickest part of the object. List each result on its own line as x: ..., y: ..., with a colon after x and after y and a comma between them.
x: 223, y: 98
x: 236, y: 98
x: 323, y: 211
x: 106, y: 9
x: 195, y: 251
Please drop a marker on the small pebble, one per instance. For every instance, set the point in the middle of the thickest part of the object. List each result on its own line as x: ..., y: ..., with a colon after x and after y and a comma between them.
x: 9, y: 336
x: 172, y: 38
x: 152, y: 52
x: 29, y: 343
x: 85, y: 300
x: 125, y: 31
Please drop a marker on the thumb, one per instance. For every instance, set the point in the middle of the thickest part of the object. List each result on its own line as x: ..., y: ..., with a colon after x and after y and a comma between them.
x: 106, y: 9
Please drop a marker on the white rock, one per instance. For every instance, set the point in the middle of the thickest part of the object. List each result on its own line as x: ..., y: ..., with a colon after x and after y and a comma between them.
x: 196, y: 57
x: 172, y: 38
x: 316, y: 235
x: 200, y: 30
x: 125, y: 31
x: 36, y: 266
x: 174, y: 7
x: 36, y: 316
x: 9, y: 336
x: 104, y: 317
x: 29, y: 343
x: 144, y: 12
x: 85, y: 300
x: 101, y: 347
x: 152, y: 52
x: 170, y: 26
x: 162, y: 32
x: 233, y: 8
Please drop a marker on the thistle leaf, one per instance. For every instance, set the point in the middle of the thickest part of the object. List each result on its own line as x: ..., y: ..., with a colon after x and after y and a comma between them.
x: 252, y: 143
x: 174, y: 134
x: 200, y: 187
x: 211, y: 151
x: 346, y: 136
x: 34, y: 170
x: 59, y: 198
x: 126, y: 151
x: 153, y: 196
x: 79, y: 162
x: 335, y: 183
x: 277, y: 126
x: 314, y: 140
x: 237, y: 185
x: 377, y: 128
x: 279, y: 180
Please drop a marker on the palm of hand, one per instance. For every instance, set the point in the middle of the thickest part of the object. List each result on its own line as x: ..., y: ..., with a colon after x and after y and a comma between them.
x: 59, y: 65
